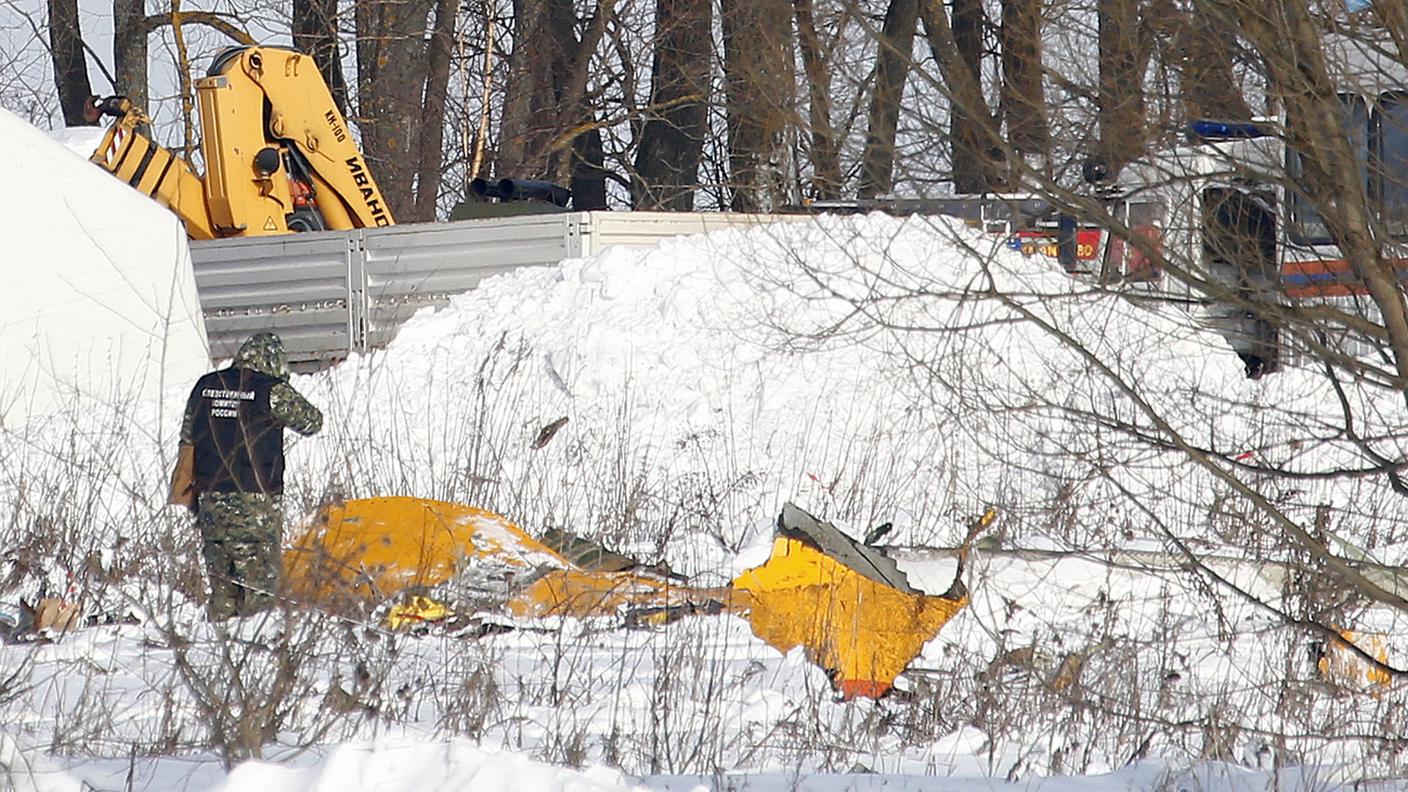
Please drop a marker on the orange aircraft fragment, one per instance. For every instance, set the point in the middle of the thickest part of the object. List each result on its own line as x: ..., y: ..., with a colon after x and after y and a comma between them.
x: 846, y: 603
x: 579, y: 592
x: 1344, y: 666
x: 373, y: 548
x: 367, y: 551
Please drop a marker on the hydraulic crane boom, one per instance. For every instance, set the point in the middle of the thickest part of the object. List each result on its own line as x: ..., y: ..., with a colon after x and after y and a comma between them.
x: 277, y: 152
x: 155, y: 171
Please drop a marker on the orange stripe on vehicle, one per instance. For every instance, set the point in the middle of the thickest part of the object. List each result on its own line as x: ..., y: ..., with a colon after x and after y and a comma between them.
x: 1327, y: 278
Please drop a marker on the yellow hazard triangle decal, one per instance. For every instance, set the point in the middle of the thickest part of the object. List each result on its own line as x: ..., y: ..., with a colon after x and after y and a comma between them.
x: 269, y: 224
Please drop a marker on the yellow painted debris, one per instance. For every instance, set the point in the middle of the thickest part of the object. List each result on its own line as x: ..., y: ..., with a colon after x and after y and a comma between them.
x: 846, y: 603
x: 368, y: 550
x: 576, y: 592
x: 1342, y: 665
x: 372, y: 548
x: 417, y: 610
x: 863, y: 632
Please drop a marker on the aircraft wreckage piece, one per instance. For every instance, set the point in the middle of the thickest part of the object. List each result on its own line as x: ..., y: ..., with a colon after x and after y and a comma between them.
x: 846, y: 603
x: 371, y: 549
x: 1340, y: 664
x: 363, y: 552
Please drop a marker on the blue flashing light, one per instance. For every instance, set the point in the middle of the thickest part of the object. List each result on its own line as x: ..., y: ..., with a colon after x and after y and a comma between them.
x: 1226, y: 129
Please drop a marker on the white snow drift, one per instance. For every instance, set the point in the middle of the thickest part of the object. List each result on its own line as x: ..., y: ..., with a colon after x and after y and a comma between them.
x: 97, y: 296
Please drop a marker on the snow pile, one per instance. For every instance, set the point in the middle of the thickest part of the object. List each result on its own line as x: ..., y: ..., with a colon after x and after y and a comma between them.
x: 97, y: 297
x: 82, y: 141
x: 407, y: 765
x: 870, y: 368
x: 391, y: 764
x: 23, y: 771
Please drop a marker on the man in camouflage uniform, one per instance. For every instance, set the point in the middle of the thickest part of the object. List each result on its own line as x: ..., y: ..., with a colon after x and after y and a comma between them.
x: 235, y: 419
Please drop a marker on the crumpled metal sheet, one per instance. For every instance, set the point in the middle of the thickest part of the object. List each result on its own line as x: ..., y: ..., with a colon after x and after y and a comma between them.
x: 794, y: 523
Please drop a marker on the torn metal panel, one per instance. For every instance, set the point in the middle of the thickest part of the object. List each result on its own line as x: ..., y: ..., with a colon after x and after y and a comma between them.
x: 794, y: 523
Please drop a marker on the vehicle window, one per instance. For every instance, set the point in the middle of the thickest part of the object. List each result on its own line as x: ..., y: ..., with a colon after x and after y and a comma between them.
x: 1306, y: 224
x: 1391, y: 166
x: 1239, y: 238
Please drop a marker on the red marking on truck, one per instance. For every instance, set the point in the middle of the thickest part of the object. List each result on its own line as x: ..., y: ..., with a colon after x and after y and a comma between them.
x: 1328, y: 277
x: 1044, y: 242
x: 1134, y: 263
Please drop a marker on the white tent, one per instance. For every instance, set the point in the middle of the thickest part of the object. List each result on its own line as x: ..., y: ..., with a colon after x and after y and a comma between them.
x: 97, y: 296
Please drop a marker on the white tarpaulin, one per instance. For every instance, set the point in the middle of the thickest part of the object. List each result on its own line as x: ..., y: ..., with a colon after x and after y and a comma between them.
x: 97, y: 296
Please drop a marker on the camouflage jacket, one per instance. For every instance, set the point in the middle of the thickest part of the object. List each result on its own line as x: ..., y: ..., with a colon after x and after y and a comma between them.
x: 264, y: 352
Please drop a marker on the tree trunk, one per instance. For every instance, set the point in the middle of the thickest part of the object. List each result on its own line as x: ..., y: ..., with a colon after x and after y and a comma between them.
x: 432, y: 127
x: 183, y: 74
x: 978, y: 158
x: 70, y: 67
x: 544, y: 43
x: 826, y: 157
x: 672, y: 137
x: 1206, y: 40
x: 129, y: 50
x: 974, y: 156
x: 1122, y: 65
x: 1023, y: 99
x: 569, y: 155
x: 892, y: 64
x: 521, y: 93
x: 758, y: 78
x: 391, y: 76
x: 588, y: 172
x: 315, y: 33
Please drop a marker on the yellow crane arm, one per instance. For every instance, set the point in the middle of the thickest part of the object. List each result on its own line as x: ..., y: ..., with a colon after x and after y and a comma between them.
x: 156, y: 171
x: 278, y: 154
x: 258, y: 97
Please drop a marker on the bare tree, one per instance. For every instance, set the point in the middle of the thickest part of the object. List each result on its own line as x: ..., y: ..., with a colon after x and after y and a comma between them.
x: 132, y: 29
x: 129, y: 49
x: 760, y: 105
x: 542, y: 44
x: 430, y: 145
x: 391, y: 80
x: 576, y: 152
x: 957, y: 48
x: 546, y: 127
x: 825, y: 154
x: 1205, y: 50
x: 1126, y: 40
x: 672, y: 137
x: 892, y: 63
x: 1023, y: 99
x: 315, y: 32
x: 70, y: 65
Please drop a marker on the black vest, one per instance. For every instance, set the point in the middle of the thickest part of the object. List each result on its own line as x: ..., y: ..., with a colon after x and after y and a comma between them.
x: 239, y: 444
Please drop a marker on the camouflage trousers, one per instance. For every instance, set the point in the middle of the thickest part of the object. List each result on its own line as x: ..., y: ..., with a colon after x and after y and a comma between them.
x: 240, y: 539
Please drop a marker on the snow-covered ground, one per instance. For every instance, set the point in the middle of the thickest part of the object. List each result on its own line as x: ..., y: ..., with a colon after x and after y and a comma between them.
x: 869, y: 369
